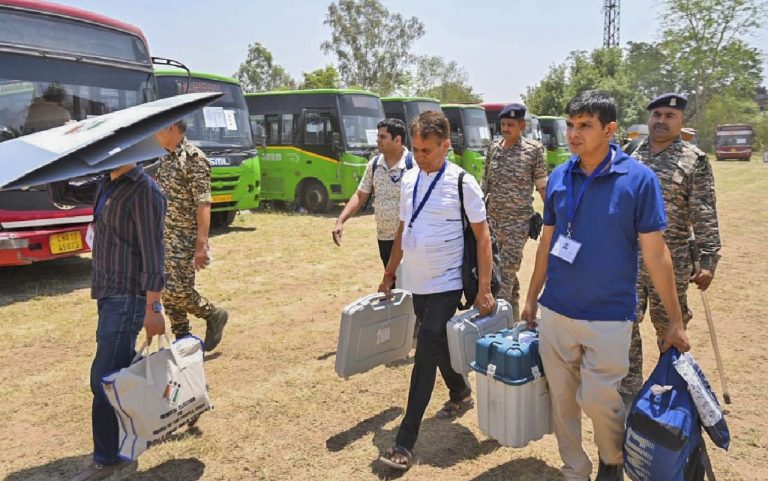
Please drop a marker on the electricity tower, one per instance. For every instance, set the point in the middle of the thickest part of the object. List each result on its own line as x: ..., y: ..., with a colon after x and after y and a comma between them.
x: 611, y: 26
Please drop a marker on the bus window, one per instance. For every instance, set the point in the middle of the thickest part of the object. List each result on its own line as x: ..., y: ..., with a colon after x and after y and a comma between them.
x: 318, y: 128
x: 286, y: 135
x: 257, y: 127
x: 273, y: 129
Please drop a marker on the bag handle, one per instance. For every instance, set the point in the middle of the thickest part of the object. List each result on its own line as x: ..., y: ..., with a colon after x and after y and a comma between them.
x: 143, y: 351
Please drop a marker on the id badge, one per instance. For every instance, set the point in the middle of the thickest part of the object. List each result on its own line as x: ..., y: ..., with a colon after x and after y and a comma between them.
x: 409, y: 240
x: 566, y: 249
x: 89, y: 236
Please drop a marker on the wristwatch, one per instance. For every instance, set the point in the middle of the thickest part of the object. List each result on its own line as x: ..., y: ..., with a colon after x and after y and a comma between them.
x: 157, y: 307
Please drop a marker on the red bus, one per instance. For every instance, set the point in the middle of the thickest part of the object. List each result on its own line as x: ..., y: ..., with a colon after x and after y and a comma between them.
x: 58, y: 64
x: 734, y: 141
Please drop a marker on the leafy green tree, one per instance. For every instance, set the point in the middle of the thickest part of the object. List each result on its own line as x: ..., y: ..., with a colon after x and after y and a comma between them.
x: 259, y: 72
x: 703, y: 43
x: 371, y: 44
x: 435, y: 77
x: 322, y: 78
x: 549, y: 96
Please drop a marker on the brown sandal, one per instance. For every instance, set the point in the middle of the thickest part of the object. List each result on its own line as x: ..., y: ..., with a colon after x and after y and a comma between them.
x: 451, y: 409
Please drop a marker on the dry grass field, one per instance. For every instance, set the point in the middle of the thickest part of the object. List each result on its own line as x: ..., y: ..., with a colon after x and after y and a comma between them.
x: 281, y: 411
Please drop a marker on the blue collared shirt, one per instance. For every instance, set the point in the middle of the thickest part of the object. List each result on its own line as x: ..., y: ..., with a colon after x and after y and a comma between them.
x: 622, y: 202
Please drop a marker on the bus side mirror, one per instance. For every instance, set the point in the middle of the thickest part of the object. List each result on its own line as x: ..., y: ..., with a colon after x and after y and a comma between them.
x: 336, y: 141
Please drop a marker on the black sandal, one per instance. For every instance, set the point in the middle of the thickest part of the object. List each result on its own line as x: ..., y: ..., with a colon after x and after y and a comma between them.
x: 388, y: 458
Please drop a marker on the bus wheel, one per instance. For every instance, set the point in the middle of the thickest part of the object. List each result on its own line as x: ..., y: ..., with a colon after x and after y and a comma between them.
x: 314, y: 197
x: 223, y: 219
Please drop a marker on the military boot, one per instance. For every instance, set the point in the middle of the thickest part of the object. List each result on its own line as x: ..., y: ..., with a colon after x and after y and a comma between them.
x: 215, y: 328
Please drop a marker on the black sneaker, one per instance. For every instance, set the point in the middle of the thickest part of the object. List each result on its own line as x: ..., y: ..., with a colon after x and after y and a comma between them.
x: 610, y: 472
x: 215, y: 328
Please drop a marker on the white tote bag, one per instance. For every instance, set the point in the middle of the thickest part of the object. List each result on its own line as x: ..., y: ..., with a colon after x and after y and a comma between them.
x: 157, y: 394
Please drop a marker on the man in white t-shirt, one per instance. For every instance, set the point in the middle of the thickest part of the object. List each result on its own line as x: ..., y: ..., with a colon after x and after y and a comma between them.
x: 430, y: 237
x: 382, y: 176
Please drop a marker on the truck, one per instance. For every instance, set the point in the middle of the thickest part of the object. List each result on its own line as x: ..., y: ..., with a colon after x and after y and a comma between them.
x: 60, y: 63
x: 734, y: 141
x: 222, y: 130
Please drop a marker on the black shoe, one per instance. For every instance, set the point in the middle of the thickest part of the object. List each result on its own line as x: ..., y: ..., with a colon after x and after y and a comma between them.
x: 610, y: 472
x: 215, y: 328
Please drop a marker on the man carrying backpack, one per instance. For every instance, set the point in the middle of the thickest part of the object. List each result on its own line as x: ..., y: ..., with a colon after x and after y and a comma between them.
x: 382, y: 176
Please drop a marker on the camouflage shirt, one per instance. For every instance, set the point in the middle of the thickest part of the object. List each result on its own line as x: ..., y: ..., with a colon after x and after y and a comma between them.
x: 688, y: 187
x: 510, y: 176
x: 185, y: 176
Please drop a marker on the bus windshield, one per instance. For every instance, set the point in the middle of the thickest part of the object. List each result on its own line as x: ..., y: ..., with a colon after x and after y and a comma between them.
x: 556, y: 128
x: 726, y: 139
x: 223, y: 124
x: 41, y: 93
x: 359, y: 116
x: 413, y: 109
x: 476, y: 130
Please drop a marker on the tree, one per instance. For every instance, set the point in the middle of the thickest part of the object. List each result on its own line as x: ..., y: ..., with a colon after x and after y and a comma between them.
x: 259, y: 72
x: 549, y: 96
x: 371, y: 44
x: 704, y: 47
x: 322, y: 78
x: 446, y: 81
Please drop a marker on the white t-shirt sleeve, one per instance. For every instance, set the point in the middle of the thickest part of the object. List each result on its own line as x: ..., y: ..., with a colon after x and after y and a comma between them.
x: 403, y: 202
x: 473, y: 200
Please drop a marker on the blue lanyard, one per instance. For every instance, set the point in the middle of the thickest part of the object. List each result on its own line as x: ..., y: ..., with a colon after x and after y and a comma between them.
x: 417, y: 210
x: 573, y: 204
x: 102, y: 200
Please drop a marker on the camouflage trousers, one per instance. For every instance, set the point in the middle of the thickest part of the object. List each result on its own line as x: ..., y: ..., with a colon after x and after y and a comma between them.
x: 511, y: 236
x: 648, y: 299
x: 179, y: 294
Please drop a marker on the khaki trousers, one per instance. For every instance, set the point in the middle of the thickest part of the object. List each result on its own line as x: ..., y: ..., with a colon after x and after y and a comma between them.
x: 584, y: 362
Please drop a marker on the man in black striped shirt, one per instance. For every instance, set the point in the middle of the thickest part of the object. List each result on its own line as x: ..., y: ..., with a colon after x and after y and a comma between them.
x: 126, y: 237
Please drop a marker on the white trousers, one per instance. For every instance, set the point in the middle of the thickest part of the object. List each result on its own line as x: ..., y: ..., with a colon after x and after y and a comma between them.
x: 584, y: 362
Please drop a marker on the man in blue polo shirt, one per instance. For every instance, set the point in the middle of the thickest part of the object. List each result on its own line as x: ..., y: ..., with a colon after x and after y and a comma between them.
x: 600, y: 207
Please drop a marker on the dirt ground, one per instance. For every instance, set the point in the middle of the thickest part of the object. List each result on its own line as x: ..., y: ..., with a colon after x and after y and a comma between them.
x: 281, y: 411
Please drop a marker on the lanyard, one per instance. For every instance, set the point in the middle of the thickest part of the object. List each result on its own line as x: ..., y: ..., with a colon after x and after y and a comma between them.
x: 573, y: 204
x: 101, y: 202
x: 417, y: 211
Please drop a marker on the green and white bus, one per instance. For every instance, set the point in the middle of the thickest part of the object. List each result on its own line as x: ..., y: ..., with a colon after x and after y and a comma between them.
x: 553, y: 132
x: 318, y: 143
x: 222, y: 130
x: 470, y: 136
x: 407, y: 109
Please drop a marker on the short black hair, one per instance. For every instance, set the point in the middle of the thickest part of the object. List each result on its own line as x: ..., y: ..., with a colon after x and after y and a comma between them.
x: 395, y: 127
x: 181, y: 125
x: 593, y: 102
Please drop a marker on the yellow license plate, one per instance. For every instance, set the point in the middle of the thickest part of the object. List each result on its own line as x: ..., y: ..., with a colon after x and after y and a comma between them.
x: 222, y: 198
x: 65, y: 242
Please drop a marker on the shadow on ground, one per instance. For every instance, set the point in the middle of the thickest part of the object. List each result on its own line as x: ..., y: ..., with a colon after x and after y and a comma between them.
x: 523, y: 468
x: 188, y: 469
x: 49, y: 278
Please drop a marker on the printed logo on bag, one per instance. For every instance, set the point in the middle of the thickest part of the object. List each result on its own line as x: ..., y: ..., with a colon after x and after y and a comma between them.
x: 171, y: 393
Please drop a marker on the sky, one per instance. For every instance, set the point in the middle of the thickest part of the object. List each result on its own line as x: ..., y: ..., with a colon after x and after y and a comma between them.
x: 504, y: 46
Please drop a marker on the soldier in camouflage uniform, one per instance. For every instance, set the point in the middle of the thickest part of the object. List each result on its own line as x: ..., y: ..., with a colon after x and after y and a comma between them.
x: 185, y: 176
x: 514, y: 166
x: 689, y: 198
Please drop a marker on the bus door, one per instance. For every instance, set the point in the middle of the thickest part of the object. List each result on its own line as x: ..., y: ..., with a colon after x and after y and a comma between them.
x: 318, y: 129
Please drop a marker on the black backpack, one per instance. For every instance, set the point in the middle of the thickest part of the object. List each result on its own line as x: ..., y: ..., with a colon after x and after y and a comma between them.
x: 375, y: 163
x: 469, y: 274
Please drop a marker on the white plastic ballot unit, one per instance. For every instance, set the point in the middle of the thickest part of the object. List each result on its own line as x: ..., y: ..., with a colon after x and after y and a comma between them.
x: 466, y: 328
x: 514, y: 405
x: 374, y: 332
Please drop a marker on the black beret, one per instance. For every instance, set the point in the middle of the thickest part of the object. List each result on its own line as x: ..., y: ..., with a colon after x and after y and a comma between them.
x: 513, y: 111
x: 676, y: 101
